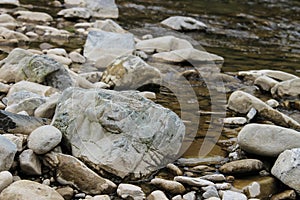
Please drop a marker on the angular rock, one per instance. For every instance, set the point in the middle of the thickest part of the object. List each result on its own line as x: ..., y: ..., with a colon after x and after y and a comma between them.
x: 289, y: 88
x: 242, y: 102
x: 198, y: 182
x: 210, y: 191
x: 163, y: 44
x: 287, y: 168
x: 181, y: 23
x: 33, y: 16
x: 10, y: 2
x: 190, y: 196
x: 101, y: 197
x: 30, y: 163
x: 265, y: 82
x: 47, y: 109
x: 6, y: 179
x: 77, y: 12
x: 15, y: 123
x: 8, y: 21
x: 172, y: 187
x: 103, y: 8
x: 71, y: 171
x: 66, y: 192
x: 252, y: 190
x: 188, y: 55
x: 12, y: 36
x: 267, y: 140
x: 102, y: 43
x: 24, y: 190
x: 231, y: 195
x: 43, y: 139
x: 8, y: 151
x: 109, y: 26
x: 130, y: 72
x: 118, y: 131
x: 18, y: 139
x: 157, y: 195
x: 128, y: 191
x: 242, y: 166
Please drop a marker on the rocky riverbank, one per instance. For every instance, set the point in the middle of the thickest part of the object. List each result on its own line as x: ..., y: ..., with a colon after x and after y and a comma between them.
x: 84, y: 123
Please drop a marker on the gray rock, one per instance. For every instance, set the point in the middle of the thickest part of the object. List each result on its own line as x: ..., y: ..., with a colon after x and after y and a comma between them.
x: 70, y: 3
x: 231, y: 195
x: 235, y: 121
x: 12, y: 36
x: 223, y: 186
x: 267, y: 140
x: 172, y: 187
x: 101, y: 197
x: 242, y: 102
x: 31, y: 88
x: 210, y: 191
x: 128, y: 191
x: 18, y: 139
x: 130, y: 72
x: 273, y: 103
x: 43, y: 139
x: 8, y: 21
x: 61, y: 59
x: 121, y: 132
x: 265, y: 82
x: 163, y: 44
x: 103, y: 8
x: 277, y: 75
x: 77, y: 12
x: 157, y: 195
x: 30, y: 163
x: 198, y: 182
x: 181, y: 23
x: 102, y: 43
x: 289, y: 88
x: 92, y: 77
x: 214, y: 177
x: 71, y: 171
x: 47, y: 109
x: 241, y: 166
x: 33, y: 16
x: 10, y: 2
x: 6, y: 179
x: 287, y: 168
x: 8, y: 151
x: 24, y: 190
x: 77, y: 57
x: 109, y: 26
x: 252, y: 190
x: 190, y: 196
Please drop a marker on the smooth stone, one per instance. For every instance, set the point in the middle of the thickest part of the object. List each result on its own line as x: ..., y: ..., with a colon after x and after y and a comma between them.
x: 66, y: 192
x: 130, y: 72
x: 129, y: 191
x: 74, y: 3
x: 100, y: 197
x: 6, y: 179
x: 242, y: 102
x: 8, y: 21
x: 24, y: 190
x: 4, y: 88
x: 252, y: 190
x: 103, y: 8
x: 56, y: 51
x: 84, y: 25
x: 182, y: 23
x: 174, y: 169
x: 223, y: 186
x: 10, y: 2
x: 173, y: 187
x: 190, y: 196
x: 8, y: 151
x: 30, y: 163
x: 157, y: 195
x: 12, y: 36
x: 92, y: 77
x: 77, y: 57
x: 235, y: 120
x: 287, y: 168
x: 109, y: 26
x: 61, y: 59
x: 163, y: 44
x: 71, y: 171
x: 267, y: 140
x: 273, y: 103
x: 18, y: 139
x: 148, y: 95
x: 47, y: 109
x: 210, y: 191
x: 76, y: 12
x: 231, y: 195
x: 51, y: 32
x: 241, y: 166
x: 35, y: 88
x: 213, y: 198
x: 287, y: 89
x: 198, y: 182
x: 32, y: 35
x: 43, y: 139
x: 33, y: 16
x: 287, y: 194
x: 275, y: 74
x: 214, y: 177
x: 265, y: 82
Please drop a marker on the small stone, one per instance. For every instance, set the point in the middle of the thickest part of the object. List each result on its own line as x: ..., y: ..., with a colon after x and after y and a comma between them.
x: 235, y: 120
x: 76, y: 12
x: 210, y: 191
x: 47, y: 109
x: 174, y: 169
x: 6, y: 179
x: 18, y: 139
x: 152, y: 95
x: 182, y: 23
x: 101, y: 197
x: 251, y: 114
x: 198, y: 182
x: 30, y: 163
x: 265, y: 82
x: 203, y: 168
x: 46, y: 182
x: 190, y: 196
x: 173, y: 187
x: 77, y: 57
x: 80, y: 195
x: 7, y: 153
x: 157, y: 195
x: 4, y: 87
x: 214, y: 177
x: 273, y: 103
x: 44, y: 139
x: 231, y: 195
x: 128, y: 191
x: 287, y: 194
x: 33, y: 16
x: 66, y: 192
x: 61, y: 59
x: 242, y: 166
x: 223, y: 186
x: 213, y: 198
x: 252, y: 190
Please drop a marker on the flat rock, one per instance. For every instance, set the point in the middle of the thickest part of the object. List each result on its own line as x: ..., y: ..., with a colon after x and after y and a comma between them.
x: 128, y: 191
x: 265, y: 82
x: 10, y: 2
x: 267, y: 140
x: 76, y: 12
x: 8, y: 21
x: 43, y: 139
x: 235, y: 120
x: 163, y: 44
x: 115, y: 131
x: 47, y: 109
x: 172, y: 187
x: 181, y: 23
x: 130, y: 72
x: 287, y: 168
x: 7, y: 153
x: 18, y: 139
x: 242, y: 166
x: 24, y: 190
x: 287, y: 89
x: 275, y: 74
x: 12, y: 36
x: 33, y: 16
x: 198, y: 182
x: 103, y: 8
x: 71, y: 171
x: 77, y: 57
x: 30, y: 163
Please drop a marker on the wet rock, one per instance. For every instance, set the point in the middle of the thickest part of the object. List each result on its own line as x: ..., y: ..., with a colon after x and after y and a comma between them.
x: 287, y: 168
x: 198, y: 182
x: 15, y: 123
x: 47, y: 109
x: 242, y: 102
x: 31, y: 88
x: 231, y: 195
x: 30, y: 163
x: 210, y: 191
x: 101, y: 44
x: 109, y: 26
x: 267, y: 140
x: 163, y: 44
x: 288, y: 194
x: 277, y: 75
x: 174, y: 169
x: 181, y: 23
x: 7, y: 153
x: 33, y: 16
x: 8, y: 21
x: 66, y: 192
x: 24, y: 190
x: 289, y: 88
x: 157, y: 195
x: 188, y: 55
x: 11, y: 36
x: 235, y: 121
x: 77, y: 57
x: 71, y: 171
x: 172, y: 187
x: 128, y: 191
x: 6, y: 179
x: 76, y: 12
x: 241, y: 166
x: 43, y: 139
x: 103, y: 8
x: 10, y: 2
x: 18, y: 139
x: 104, y: 135
x: 265, y: 82
x: 130, y: 72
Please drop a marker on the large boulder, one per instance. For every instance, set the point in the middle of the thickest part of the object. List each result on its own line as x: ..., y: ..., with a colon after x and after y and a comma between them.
x: 182, y: 23
x: 120, y: 132
x: 289, y: 88
x: 267, y: 140
x: 287, y: 168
